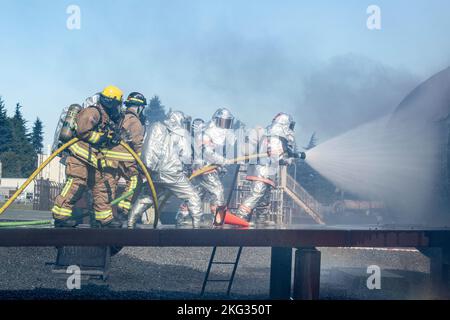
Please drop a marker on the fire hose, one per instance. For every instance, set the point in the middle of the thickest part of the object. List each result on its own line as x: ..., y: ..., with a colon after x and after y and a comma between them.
x: 9, y: 224
x: 195, y: 174
x: 64, y: 147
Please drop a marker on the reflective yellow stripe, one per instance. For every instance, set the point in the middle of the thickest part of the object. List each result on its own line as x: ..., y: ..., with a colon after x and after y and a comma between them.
x: 61, y: 211
x: 76, y: 149
x: 134, y: 182
x: 134, y: 99
x: 124, y: 204
x: 64, y: 210
x: 106, y: 163
x: 100, y: 215
x: 67, y: 187
x: 95, y: 136
x: 117, y: 155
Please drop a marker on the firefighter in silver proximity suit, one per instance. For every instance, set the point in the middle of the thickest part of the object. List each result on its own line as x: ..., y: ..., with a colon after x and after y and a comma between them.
x: 279, y: 144
x: 166, y: 147
x: 211, y: 150
x: 197, y: 129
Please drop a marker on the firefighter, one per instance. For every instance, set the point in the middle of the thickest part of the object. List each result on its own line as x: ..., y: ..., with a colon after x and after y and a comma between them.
x: 92, y: 163
x: 210, y: 149
x: 197, y: 127
x: 133, y: 133
x: 166, y: 147
x: 279, y: 144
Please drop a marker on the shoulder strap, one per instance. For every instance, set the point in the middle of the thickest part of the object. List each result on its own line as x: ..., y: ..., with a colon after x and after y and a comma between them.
x: 100, y: 122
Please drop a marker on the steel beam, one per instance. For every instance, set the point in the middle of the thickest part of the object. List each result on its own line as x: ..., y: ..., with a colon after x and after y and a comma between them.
x: 307, y: 274
x: 280, y: 273
x: 223, y: 237
x: 439, y: 269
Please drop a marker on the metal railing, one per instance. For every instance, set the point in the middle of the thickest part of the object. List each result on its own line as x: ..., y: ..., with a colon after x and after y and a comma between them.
x: 303, y: 195
x: 45, y: 192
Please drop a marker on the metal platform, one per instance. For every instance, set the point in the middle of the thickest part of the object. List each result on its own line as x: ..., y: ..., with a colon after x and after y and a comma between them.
x: 293, y: 236
x: 304, y: 239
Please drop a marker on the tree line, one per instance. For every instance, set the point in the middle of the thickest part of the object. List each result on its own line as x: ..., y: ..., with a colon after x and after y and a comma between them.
x: 19, y: 146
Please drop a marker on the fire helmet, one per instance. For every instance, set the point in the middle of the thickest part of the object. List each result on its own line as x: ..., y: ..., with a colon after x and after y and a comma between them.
x: 135, y: 99
x: 177, y: 119
x: 223, y: 118
x: 111, y: 99
x: 285, y: 120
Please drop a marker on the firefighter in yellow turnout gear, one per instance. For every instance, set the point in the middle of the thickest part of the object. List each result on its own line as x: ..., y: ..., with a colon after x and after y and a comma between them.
x: 93, y: 161
x: 133, y: 133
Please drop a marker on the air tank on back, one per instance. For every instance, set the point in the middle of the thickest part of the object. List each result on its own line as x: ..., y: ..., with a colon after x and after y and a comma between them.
x: 69, y: 122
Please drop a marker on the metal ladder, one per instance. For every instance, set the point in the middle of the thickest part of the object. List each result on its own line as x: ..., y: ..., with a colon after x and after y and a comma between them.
x: 233, y: 273
x: 213, y: 254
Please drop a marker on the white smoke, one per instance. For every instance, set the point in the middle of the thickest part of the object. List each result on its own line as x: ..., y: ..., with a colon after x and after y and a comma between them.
x: 397, y: 158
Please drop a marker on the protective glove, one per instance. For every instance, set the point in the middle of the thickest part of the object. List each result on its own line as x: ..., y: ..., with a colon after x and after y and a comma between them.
x: 114, y: 137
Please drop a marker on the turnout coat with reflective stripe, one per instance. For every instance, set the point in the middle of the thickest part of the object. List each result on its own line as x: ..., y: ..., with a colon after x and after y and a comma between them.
x: 133, y: 135
x: 92, y: 125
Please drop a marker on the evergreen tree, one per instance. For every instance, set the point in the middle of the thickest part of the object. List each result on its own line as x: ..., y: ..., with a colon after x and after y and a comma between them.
x: 5, y: 129
x: 37, y: 136
x: 21, y: 144
x: 312, y: 142
x: 155, y: 111
x: 11, y: 168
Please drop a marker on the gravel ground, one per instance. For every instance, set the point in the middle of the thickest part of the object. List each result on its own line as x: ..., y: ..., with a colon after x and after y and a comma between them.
x: 177, y: 273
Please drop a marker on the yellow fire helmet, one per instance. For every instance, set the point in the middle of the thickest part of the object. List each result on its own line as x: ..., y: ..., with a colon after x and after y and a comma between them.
x: 113, y: 93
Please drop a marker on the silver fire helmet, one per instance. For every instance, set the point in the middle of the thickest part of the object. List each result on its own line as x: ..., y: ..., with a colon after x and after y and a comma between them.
x: 223, y: 118
x: 285, y: 120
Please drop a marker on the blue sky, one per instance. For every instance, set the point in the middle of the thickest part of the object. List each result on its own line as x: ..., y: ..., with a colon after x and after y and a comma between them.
x: 256, y: 57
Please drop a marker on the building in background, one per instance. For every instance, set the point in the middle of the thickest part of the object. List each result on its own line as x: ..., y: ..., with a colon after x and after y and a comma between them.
x: 9, y: 185
x: 53, y: 173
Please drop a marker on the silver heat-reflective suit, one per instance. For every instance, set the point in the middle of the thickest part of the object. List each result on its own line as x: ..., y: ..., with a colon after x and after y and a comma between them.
x: 275, y: 142
x: 214, y: 141
x: 209, y: 146
x: 165, y: 146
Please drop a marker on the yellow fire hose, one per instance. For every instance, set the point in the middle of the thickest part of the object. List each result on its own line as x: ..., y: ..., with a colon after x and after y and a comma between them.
x: 64, y: 147
x: 149, y: 180
x: 227, y: 162
x: 205, y: 169
x: 35, y: 173
x: 195, y: 174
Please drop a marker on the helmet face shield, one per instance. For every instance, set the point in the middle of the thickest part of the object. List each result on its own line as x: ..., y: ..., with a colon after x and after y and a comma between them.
x: 111, y: 105
x: 223, y: 123
x: 223, y: 118
x: 292, y: 125
x: 187, y: 123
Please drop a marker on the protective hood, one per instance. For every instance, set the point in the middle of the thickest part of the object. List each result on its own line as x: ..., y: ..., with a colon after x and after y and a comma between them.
x: 176, y: 122
x: 282, y: 131
x: 283, y: 126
